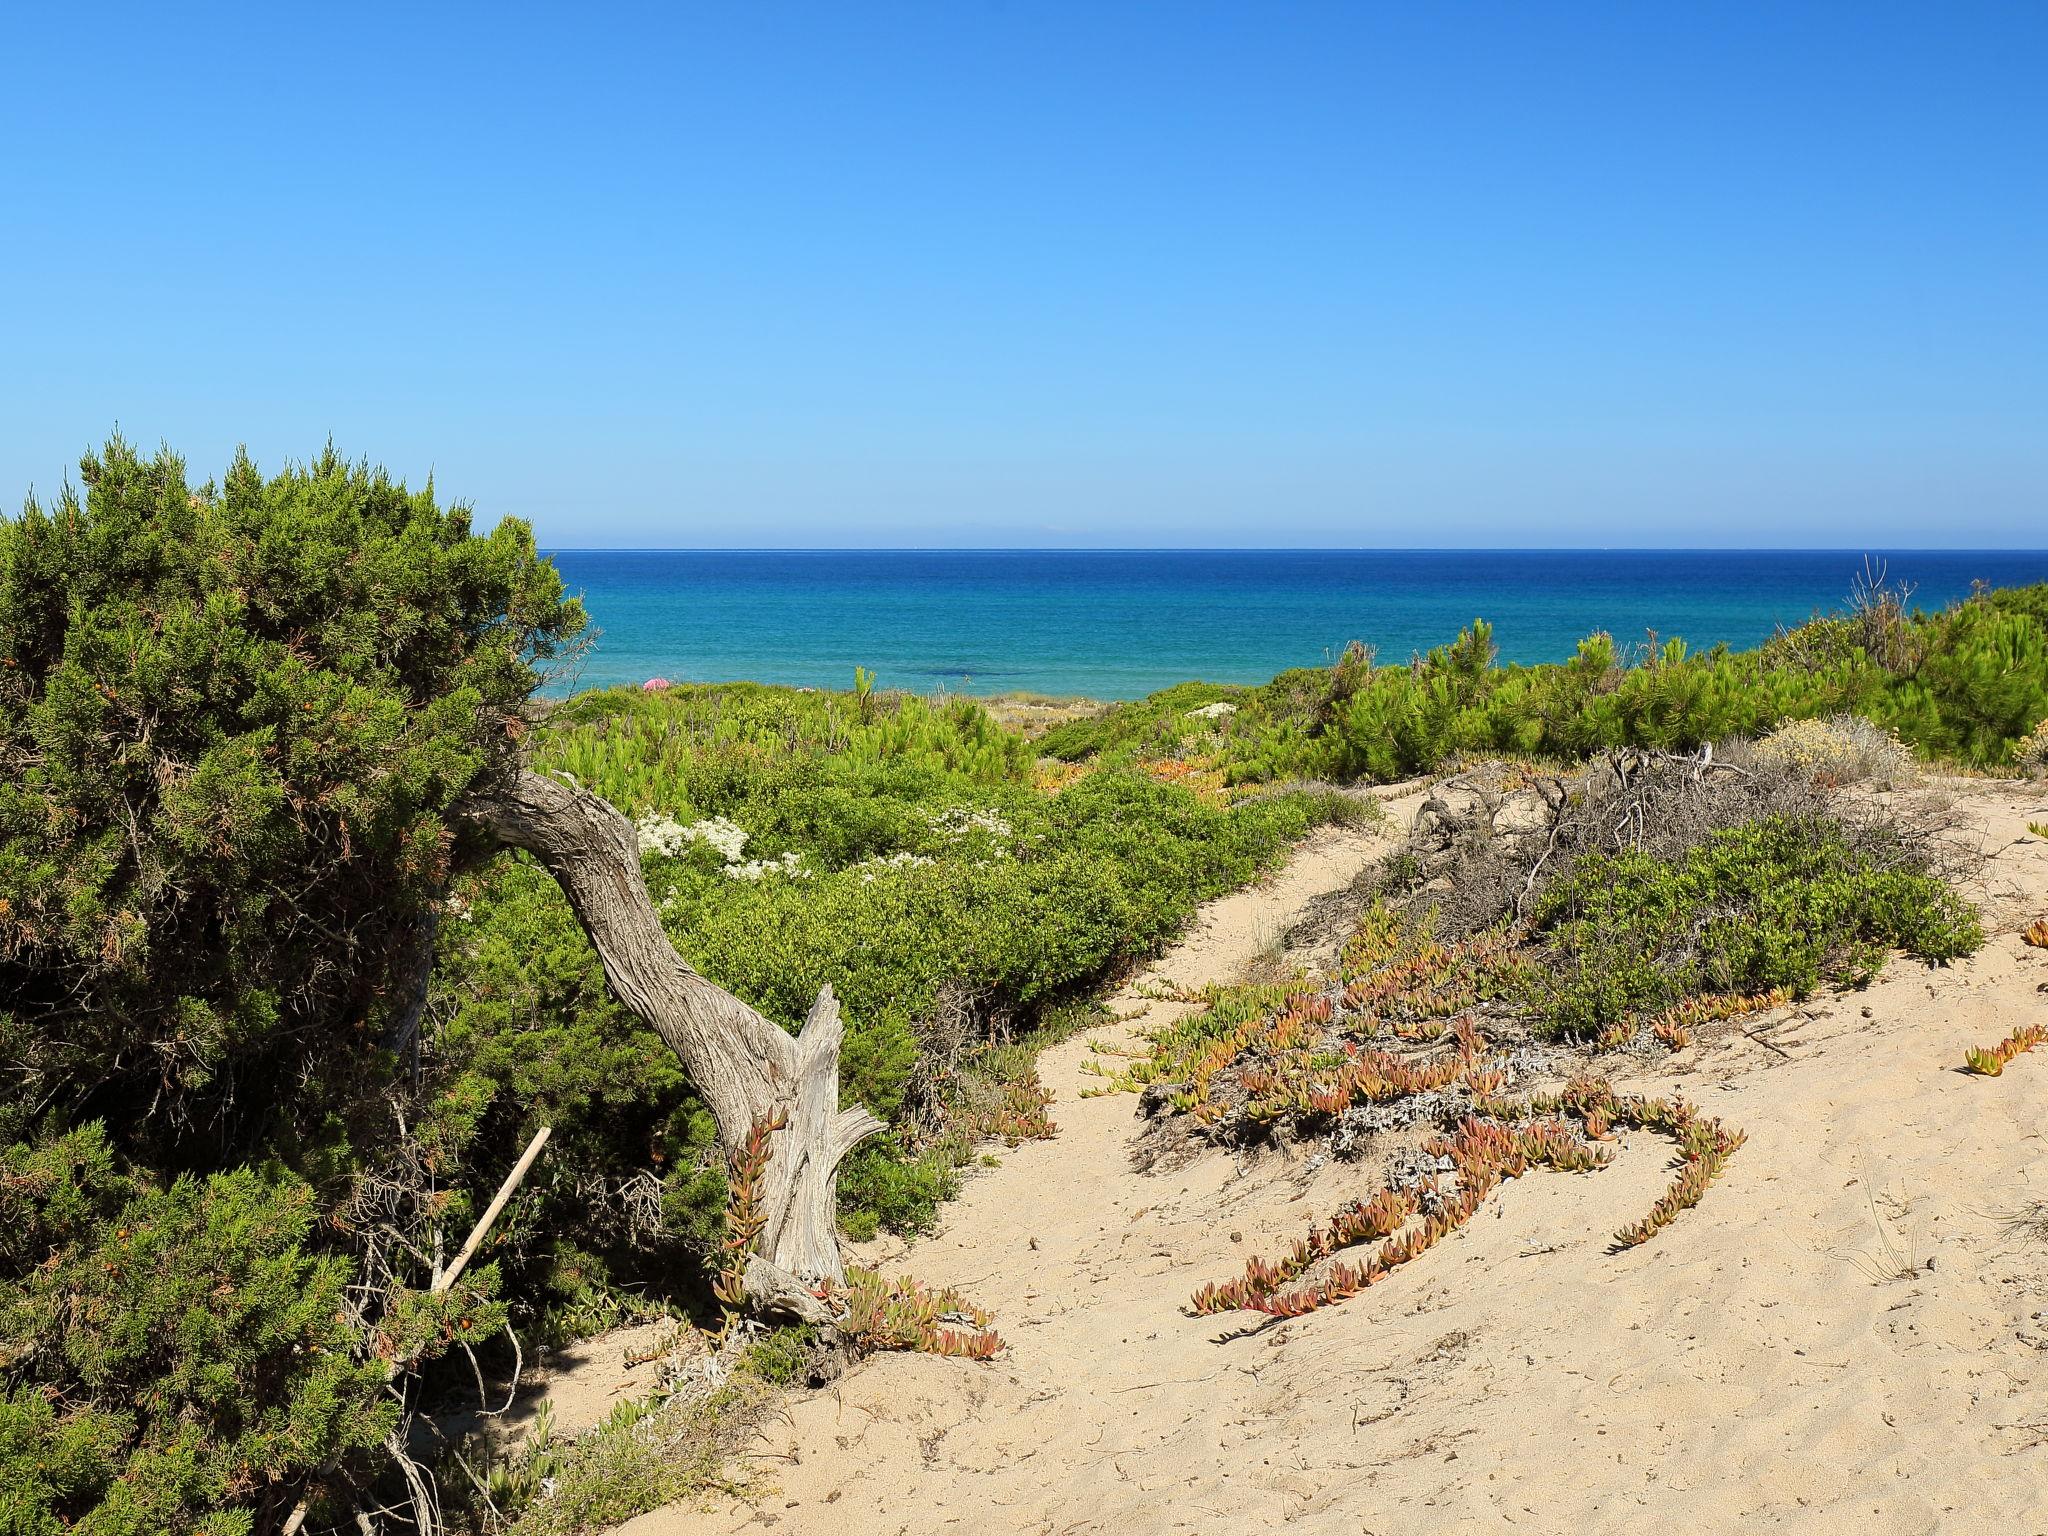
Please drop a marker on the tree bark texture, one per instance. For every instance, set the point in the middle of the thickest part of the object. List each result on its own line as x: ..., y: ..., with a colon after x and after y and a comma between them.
x: 747, y: 1068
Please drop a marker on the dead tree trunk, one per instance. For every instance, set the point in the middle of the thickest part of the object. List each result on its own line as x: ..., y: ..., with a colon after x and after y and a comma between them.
x: 747, y: 1068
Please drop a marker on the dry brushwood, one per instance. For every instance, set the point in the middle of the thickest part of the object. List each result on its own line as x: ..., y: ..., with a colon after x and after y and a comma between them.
x: 443, y: 1280
x: 1505, y: 835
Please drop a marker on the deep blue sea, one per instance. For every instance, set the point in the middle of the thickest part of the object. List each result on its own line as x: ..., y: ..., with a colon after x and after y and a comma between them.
x: 1119, y: 624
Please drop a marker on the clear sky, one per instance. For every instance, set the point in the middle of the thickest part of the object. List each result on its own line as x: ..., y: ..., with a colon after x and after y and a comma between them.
x: 974, y: 273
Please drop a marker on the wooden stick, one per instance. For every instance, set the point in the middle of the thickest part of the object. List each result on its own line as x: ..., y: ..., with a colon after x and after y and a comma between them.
x: 449, y: 1276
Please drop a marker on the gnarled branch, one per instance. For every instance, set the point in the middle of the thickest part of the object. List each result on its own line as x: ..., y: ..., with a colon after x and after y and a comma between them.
x: 746, y: 1067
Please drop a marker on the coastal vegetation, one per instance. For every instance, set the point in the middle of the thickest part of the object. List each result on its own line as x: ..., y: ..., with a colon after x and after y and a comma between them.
x: 1966, y: 685
x: 1603, y: 912
x: 1528, y: 927
x: 895, y: 849
x: 278, y: 1012
x: 1990, y: 1063
x: 315, y: 914
x: 237, y: 721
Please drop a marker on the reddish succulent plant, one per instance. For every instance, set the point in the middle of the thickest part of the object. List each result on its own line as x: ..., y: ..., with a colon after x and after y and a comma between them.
x: 1501, y: 1141
x: 1992, y: 1062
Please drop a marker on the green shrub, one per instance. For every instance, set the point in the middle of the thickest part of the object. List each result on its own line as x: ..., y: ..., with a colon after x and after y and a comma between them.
x: 1963, y: 686
x: 647, y: 1453
x: 923, y: 863
x: 235, y: 719
x: 1160, y: 725
x: 1779, y: 903
x: 172, y: 1353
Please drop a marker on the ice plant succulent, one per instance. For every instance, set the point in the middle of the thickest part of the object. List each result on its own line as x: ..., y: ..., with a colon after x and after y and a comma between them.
x: 1395, y: 967
x: 1406, y: 1020
x: 1500, y: 1141
x: 1671, y: 1033
x: 1990, y: 1063
x: 1018, y: 1114
x: 1262, y: 1056
x: 905, y: 1314
x: 744, y: 1217
x: 1482, y: 1151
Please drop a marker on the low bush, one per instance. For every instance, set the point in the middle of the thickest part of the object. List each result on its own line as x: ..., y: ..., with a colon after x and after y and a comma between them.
x: 1160, y: 725
x: 2031, y: 752
x: 1842, y: 749
x: 1781, y: 904
x: 648, y: 1452
x: 1964, y: 685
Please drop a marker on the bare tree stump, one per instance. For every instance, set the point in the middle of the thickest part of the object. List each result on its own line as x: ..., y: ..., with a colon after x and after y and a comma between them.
x: 746, y: 1067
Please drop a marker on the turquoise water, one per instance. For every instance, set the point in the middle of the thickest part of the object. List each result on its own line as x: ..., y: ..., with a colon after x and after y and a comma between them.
x: 1119, y: 624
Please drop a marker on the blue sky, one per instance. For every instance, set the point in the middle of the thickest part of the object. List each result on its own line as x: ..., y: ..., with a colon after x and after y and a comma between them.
x: 1034, y: 274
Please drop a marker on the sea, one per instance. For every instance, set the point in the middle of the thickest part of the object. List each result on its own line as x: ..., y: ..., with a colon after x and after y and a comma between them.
x: 1117, y: 624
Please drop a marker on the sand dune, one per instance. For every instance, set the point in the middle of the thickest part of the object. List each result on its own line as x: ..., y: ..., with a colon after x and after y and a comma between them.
x: 1850, y: 1334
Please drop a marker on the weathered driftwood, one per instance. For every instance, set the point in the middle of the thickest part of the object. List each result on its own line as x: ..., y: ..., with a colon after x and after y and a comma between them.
x: 746, y: 1067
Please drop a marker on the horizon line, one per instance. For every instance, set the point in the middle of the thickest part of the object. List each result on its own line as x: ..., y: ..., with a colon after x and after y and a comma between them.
x: 1291, y: 549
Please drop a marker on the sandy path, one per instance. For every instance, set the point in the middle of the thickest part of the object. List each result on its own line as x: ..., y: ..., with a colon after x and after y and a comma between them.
x: 1845, y: 1336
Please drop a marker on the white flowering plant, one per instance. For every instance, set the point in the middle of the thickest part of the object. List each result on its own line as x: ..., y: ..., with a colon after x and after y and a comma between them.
x: 724, y: 841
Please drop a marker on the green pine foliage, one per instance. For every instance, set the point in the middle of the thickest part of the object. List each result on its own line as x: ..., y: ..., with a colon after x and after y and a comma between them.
x: 235, y: 718
x: 174, y: 1355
